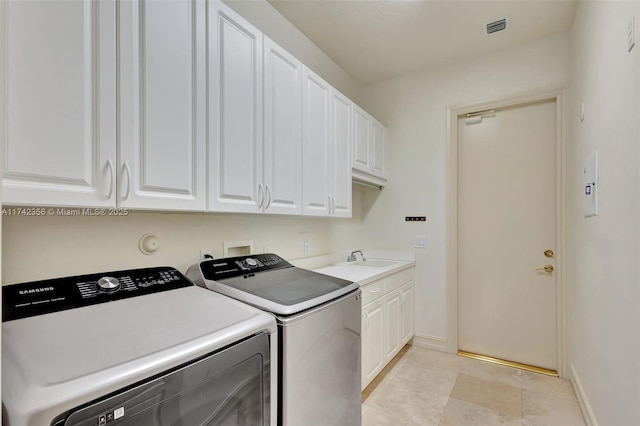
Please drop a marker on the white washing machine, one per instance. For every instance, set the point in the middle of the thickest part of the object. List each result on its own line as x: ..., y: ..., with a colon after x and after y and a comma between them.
x: 137, y: 347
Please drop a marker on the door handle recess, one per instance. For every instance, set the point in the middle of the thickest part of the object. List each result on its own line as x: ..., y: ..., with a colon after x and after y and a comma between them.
x: 111, y: 178
x: 127, y: 170
x: 261, y: 193
x: 546, y: 268
x: 268, y: 191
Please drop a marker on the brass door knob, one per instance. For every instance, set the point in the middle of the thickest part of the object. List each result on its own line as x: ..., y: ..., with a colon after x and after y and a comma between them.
x: 549, y: 253
x: 546, y: 268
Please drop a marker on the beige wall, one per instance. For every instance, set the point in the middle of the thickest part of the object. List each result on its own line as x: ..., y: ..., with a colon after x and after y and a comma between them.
x: 603, y: 251
x: 414, y: 108
x: 268, y: 20
x: 52, y: 246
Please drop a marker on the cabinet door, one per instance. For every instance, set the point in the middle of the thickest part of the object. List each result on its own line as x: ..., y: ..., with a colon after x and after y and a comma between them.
x: 58, y: 105
x: 162, y: 109
x: 315, y: 144
x: 235, y: 112
x: 373, y: 337
x: 393, y: 307
x: 407, y: 309
x: 361, y: 139
x: 341, y: 134
x: 378, y: 149
x: 282, y: 131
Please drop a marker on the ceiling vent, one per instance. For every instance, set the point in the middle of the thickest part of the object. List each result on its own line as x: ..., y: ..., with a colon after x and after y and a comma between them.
x: 497, y: 26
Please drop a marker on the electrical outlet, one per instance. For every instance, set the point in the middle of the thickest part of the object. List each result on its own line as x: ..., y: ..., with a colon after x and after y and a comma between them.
x: 420, y: 241
x: 266, y: 249
x: 307, y: 246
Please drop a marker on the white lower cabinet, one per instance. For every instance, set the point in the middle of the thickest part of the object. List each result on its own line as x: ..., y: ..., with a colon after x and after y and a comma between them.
x: 387, y: 321
x: 407, y: 309
x: 373, y: 350
x: 392, y: 303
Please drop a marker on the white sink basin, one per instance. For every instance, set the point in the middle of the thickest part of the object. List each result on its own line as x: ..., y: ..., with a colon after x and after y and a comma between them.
x: 371, y: 263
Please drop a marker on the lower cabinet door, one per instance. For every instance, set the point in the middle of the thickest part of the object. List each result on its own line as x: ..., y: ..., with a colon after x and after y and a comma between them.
x: 373, y: 333
x: 393, y: 303
x: 407, y: 309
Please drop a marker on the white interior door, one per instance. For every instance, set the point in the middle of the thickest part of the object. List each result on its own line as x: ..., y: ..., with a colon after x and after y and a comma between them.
x: 506, y: 220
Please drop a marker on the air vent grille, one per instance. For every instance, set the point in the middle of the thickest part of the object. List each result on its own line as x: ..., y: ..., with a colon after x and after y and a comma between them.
x: 496, y: 26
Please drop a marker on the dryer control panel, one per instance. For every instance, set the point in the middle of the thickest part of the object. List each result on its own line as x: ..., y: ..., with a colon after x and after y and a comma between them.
x: 48, y: 296
x: 228, y: 267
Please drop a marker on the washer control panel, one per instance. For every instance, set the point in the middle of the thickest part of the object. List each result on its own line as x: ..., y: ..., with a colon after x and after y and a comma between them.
x: 218, y: 269
x: 44, y: 297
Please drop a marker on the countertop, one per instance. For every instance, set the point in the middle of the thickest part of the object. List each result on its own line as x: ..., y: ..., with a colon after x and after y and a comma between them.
x: 361, y: 274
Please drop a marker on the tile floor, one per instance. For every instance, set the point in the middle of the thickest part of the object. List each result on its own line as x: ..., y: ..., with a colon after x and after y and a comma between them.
x: 423, y: 387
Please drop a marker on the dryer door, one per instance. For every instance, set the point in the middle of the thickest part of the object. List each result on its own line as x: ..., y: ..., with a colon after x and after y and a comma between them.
x: 229, y: 387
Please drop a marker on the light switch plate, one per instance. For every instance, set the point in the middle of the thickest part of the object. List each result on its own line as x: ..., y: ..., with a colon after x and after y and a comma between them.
x: 420, y: 242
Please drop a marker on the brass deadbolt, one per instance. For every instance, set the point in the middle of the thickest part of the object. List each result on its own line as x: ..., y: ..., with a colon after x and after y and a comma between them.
x: 548, y: 253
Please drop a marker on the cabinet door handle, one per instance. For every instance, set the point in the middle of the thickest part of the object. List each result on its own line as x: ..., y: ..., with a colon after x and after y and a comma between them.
x: 328, y: 204
x: 261, y: 194
x: 268, y: 197
x: 127, y: 170
x: 334, y: 205
x: 375, y: 290
x: 403, y: 297
x: 112, y: 176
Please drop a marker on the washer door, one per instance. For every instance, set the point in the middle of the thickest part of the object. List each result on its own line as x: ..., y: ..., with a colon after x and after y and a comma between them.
x: 229, y: 387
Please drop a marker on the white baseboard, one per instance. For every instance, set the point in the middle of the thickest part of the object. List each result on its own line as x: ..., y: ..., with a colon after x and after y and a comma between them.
x: 587, y: 413
x: 430, y: 342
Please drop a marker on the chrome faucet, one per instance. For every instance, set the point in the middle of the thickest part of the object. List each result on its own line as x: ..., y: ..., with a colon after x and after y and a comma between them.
x: 352, y: 256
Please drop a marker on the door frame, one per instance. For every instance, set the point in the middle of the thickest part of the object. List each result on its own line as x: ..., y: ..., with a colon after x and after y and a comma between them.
x: 559, y: 95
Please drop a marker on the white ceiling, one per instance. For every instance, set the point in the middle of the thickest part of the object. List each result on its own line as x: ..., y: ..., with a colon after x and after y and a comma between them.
x: 374, y: 40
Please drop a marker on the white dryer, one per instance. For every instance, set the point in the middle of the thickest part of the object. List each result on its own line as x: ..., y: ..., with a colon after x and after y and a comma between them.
x: 137, y: 347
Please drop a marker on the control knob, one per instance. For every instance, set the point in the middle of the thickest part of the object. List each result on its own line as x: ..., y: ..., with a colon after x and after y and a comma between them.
x: 108, y: 284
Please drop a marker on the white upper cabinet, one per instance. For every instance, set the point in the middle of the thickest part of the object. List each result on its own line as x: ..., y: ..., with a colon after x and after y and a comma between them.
x: 369, y: 149
x: 162, y: 106
x: 378, y: 149
x: 58, y: 106
x: 282, y: 182
x: 361, y: 139
x: 235, y: 112
x: 316, y: 139
x: 326, y: 148
x: 341, y: 136
x: 171, y: 105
